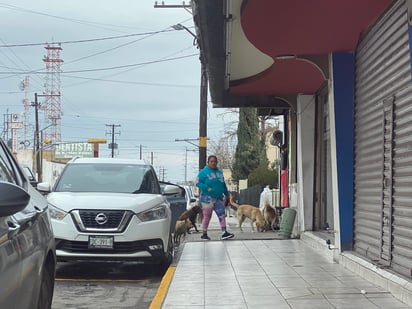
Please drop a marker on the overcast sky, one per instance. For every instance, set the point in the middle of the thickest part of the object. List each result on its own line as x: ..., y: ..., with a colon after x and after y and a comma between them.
x: 123, y: 65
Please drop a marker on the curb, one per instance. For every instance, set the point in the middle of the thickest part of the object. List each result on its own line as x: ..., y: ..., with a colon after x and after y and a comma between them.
x: 162, y: 290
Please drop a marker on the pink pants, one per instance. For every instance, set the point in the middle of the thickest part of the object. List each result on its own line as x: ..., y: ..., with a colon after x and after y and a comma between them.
x: 208, y: 208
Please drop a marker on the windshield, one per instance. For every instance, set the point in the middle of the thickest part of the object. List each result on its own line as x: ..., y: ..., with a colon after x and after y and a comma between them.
x: 118, y: 178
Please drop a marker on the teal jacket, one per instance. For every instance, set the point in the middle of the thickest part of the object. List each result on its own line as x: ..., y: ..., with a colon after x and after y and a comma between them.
x: 213, y: 179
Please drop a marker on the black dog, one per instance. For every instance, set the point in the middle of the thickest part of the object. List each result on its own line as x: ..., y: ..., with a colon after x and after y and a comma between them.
x: 191, y: 214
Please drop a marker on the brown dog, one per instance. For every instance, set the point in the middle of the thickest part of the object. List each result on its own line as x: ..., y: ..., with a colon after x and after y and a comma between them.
x: 191, y: 214
x: 181, y: 228
x: 270, y: 215
x: 251, y: 212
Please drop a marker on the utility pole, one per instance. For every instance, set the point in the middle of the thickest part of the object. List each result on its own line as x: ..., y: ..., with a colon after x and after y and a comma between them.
x: 36, y: 135
x: 203, y: 86
x: 186, y: 165
x: 161, y: 173
x: 203, y: 115
x: 113, y: 145
x: 38, y: 138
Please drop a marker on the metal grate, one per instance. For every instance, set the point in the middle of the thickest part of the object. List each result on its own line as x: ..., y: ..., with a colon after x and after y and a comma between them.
x: 114, y: 218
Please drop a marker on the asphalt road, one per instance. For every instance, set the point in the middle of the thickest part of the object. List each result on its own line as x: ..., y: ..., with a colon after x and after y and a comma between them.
x: 105, y: 285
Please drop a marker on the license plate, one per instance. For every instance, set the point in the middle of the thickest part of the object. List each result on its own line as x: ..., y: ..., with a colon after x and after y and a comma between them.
x: 101, y: 242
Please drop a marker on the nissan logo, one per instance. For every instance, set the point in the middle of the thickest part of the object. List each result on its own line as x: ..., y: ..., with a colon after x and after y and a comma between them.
x: 101, y: 218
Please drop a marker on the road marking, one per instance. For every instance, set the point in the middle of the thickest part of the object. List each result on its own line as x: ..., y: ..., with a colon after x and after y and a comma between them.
x: 163, y: 287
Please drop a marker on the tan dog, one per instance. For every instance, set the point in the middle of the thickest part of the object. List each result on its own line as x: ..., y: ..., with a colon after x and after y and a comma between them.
x: 191, y: 214
x: 181, y: 228
x: 251, y: 212
x: 270, y: 215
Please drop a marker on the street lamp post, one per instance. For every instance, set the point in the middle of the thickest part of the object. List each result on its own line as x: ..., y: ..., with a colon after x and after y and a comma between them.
x: 187, y: 140
x: 203, y: 101
x: 187, y: 163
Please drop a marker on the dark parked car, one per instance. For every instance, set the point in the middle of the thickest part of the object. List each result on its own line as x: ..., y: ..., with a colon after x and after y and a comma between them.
x: 27, y: 253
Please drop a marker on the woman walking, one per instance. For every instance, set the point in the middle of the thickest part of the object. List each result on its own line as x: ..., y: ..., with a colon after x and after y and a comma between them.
x: 213, y: 194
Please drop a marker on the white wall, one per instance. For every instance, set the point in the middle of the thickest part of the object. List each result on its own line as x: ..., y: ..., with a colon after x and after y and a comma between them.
x: 305, y: 160
x: 25, y: 157
x: 51, y: 170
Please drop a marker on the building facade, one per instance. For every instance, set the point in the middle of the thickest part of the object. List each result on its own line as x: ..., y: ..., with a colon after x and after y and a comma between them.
x: 344, y: 86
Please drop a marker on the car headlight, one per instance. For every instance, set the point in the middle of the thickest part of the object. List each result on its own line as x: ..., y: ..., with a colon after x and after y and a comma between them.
x: 56, y: 213
x: 156, y: 213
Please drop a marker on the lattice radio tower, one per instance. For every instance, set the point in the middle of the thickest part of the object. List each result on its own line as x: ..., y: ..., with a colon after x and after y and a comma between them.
x: 52, y: 102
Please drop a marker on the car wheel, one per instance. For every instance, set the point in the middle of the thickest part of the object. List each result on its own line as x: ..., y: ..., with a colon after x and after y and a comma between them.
x: 168, y: 258
x: 46, y: 288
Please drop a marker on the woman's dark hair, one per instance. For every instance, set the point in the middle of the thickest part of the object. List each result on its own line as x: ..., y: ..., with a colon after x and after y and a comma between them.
x: 211, y: 157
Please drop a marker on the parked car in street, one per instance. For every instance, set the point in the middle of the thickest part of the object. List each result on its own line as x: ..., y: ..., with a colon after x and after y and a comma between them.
x: 110, y: 209
x: 30, y: 175
x: 27, y: 253
x: 191, y: 199
x: 177, y: 197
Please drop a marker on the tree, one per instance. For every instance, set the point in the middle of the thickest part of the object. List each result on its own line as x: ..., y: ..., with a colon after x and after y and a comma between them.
x: 224, y: 150
x: 249, y: 147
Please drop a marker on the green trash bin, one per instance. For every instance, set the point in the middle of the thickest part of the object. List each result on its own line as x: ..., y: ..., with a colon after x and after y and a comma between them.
x: 286, y: 224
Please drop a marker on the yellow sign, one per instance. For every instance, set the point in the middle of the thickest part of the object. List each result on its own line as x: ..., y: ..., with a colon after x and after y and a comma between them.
x: 203, y: 141
x: 97, y: 140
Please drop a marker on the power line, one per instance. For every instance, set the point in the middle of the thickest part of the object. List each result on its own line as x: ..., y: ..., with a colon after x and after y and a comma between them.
x: 131, y: 82
x: 108, y: 68
x: 128, y: 70
x: 78, y: 21
x: 86, y: 40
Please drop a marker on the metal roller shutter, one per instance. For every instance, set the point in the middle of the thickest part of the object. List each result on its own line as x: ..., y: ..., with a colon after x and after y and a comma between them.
x: 383, y: 144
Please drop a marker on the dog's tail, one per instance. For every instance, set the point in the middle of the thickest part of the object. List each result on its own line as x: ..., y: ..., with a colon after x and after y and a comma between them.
x: 231, y: 202
x: 266, y: 205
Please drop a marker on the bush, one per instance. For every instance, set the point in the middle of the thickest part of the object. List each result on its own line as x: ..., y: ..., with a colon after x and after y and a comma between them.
x: 263, y: 176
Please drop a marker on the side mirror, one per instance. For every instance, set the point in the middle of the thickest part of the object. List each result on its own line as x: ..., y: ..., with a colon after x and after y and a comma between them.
x: 171, y: 189
x: 43, y: 187
x: 12, y: 199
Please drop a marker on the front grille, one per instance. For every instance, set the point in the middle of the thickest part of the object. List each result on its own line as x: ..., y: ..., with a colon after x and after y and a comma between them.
x: 91, y: 220
x: 83, y: 247
x: 114, y: 217
x: 118, y: 247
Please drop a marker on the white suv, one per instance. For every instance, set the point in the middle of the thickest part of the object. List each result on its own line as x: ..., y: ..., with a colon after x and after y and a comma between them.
x: 110, y: 209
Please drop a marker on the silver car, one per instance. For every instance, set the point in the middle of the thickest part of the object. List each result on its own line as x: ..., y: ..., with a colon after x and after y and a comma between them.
x: 112, y: 210
x: 27, y: 253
